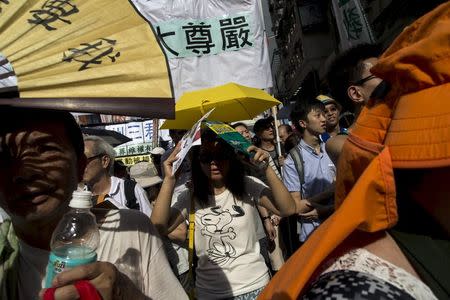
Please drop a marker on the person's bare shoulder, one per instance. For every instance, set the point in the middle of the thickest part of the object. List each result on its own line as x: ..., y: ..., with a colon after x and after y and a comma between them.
x: 334, y: 147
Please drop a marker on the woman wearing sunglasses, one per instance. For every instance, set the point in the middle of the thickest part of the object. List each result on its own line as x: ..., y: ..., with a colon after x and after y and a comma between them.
x: 230, y: 265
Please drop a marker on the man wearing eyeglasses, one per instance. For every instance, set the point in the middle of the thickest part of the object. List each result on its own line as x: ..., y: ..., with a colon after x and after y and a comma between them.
x: 98, y: 177
x: 352, y: 84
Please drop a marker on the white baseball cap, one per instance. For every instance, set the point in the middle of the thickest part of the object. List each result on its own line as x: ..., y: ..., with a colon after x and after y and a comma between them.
x: 157, y: 151
x: 145, y: 174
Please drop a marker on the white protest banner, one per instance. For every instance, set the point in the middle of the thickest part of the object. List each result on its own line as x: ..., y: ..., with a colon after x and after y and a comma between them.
x: 191, y: 138
x: 211, y: 43
x: 352, y: 23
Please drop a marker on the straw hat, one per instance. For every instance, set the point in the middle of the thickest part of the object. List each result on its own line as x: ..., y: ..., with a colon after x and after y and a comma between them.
x: 325, y: 99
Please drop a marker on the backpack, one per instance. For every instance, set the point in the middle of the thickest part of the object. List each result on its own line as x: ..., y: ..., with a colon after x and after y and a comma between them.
x: 290, y: 224
x: 130, y: 195
x: 297, y: 157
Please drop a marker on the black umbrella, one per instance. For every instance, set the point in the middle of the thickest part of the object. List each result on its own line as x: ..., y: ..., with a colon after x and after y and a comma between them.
x: 110, y: 136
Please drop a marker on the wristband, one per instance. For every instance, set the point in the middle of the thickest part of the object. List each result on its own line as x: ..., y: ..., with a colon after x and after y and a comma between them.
x: 265, y: 218
x: 87, y: 291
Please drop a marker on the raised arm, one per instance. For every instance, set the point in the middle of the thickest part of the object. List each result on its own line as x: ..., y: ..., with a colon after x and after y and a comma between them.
x: 277, y: 199
x: 163, y: 217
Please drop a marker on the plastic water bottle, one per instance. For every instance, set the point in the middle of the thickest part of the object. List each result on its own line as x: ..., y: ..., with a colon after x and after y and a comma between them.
x: 75, y: 239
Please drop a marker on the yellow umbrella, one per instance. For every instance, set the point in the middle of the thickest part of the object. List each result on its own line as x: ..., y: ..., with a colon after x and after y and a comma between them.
x: 232, y: 102
x: 85, y: 55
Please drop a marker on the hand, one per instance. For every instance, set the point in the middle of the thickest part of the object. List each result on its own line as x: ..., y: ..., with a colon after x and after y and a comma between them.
x: 311, y: 215
x: 261, y: 157
x: 104, y: 276
x: 305, y: 206
x: 281, y: 160
x: 168, y: 163
x: 275, y: 220
x: 270, y: 230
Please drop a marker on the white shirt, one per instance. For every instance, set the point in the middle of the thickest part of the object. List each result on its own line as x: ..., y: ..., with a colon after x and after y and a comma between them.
x: 226, y: 243
x: 129, y: 241
x: 117, y: 195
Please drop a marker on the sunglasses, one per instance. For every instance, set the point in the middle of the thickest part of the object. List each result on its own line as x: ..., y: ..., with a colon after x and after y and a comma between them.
x: 364, y: 80
x: 208, y: 157
x: 89, y: 159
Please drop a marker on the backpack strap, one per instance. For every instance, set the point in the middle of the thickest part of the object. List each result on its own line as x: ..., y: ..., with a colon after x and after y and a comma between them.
x: 130, y: 195
x: 297, y: 157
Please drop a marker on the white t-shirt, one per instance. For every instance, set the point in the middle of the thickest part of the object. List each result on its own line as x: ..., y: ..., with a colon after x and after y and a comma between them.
x: 130, y: 242
x: 226, y: 243
x: 117, y: 195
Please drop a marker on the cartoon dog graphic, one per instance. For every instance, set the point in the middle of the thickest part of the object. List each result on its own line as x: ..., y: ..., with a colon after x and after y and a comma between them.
x: 220, y: 249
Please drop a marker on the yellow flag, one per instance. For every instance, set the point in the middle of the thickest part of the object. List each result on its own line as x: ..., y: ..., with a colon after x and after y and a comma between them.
x: 85, y: 55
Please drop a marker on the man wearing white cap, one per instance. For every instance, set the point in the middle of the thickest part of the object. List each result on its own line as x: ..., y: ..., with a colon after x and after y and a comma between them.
x: 156, y: 155
x: 146, y: 175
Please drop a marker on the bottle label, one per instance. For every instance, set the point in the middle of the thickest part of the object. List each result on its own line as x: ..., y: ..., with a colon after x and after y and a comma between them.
x: 57, y: 264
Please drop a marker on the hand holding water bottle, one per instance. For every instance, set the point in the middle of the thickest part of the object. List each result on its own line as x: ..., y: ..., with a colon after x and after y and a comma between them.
x: 73, y: 271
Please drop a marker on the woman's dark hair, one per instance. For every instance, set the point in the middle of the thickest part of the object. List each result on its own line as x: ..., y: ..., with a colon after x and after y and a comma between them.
x: 234, y: 179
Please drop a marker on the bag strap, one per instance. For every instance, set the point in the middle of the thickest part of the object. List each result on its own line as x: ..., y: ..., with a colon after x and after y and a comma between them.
x: 297, y: 157
x: 191, y: 246
x: 130, y: 195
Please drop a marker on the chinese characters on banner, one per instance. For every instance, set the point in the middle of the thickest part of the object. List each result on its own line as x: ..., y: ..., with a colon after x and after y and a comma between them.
x: 131, y: 160
x: 184, y: 38
x: 352, y: 23
x: 141, y: 134
x: 211, y: 43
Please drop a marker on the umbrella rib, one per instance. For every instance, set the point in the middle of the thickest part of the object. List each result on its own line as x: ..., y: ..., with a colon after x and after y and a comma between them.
x: 243, y: 106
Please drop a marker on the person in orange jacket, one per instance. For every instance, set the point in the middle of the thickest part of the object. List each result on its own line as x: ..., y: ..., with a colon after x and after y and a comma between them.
x: 389, y: 235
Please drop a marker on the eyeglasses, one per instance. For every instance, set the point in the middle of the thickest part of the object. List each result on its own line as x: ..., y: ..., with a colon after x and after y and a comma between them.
x: 207, y: 158
x: 365, y: 79
x: 89, y: 159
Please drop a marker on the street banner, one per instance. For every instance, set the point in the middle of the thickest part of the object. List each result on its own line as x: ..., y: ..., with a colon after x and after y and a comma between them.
x: 98, y: 56
x: 139, y: 132
x: 211, y: 43
x: 352, y: 24
x: 191, y: 138
x: 132, y: 160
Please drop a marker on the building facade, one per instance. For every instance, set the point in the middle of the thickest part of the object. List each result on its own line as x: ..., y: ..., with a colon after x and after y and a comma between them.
x: 309, y: 34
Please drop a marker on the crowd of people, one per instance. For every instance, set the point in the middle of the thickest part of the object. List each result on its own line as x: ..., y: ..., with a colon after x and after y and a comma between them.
x: 326, y: 208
